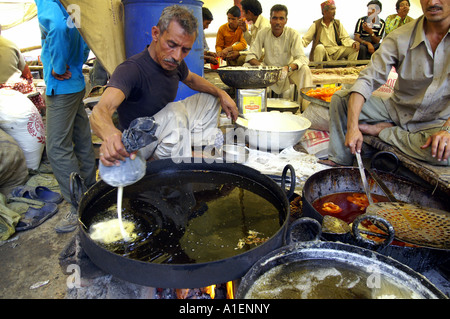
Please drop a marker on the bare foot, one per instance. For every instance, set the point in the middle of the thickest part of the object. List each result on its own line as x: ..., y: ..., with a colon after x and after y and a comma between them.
x: 374, y: 129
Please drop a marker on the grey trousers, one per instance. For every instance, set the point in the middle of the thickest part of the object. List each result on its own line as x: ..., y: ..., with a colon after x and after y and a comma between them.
x: 69, y: 142
x: 373, y: 111
x: 321, y: 54
x: 184, y: 124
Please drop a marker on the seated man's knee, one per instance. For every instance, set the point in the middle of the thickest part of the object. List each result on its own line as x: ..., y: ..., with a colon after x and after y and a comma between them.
x: 339, y: 100
x: 319, y: 53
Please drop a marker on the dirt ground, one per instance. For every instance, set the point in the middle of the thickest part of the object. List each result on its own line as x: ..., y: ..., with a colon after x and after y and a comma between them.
x: 31, y: 257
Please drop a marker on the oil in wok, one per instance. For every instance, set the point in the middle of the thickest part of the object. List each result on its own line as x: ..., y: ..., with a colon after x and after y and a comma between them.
x: 193, y: 222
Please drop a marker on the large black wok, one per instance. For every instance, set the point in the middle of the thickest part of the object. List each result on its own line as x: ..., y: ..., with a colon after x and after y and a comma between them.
x: 164, y: 174
x: 348, y: 179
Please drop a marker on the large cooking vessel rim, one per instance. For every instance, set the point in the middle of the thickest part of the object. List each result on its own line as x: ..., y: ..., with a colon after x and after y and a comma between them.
x: 337, y: 252
x: 104, y: 188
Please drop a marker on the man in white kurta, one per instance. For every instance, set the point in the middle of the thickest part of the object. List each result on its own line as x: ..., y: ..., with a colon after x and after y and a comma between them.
x: 252, y: 14
x: 282, y: 47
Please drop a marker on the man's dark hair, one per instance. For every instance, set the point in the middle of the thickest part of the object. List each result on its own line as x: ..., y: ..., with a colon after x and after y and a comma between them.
x: 252, y: 5
x: 376, y: 2
x: 234, y: 11
x: 397, y: 4
x: 207, y: 15
x: 279, y: 7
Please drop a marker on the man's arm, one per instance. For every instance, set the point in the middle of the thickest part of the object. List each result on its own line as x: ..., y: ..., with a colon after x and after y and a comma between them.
x: 308, y: 36
x: 112, y: 149
x: 220, y: 42
x: 239, y: 45
x: 297, y: 51
x: 345, y: 38
x: 369, y: 45
x: 199, y: 84
x: 256, y: 49
x: 354, y: 137
x: 55, y: 23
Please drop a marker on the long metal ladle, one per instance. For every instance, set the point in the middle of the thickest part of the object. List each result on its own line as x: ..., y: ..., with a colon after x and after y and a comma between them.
x: 363, y: 177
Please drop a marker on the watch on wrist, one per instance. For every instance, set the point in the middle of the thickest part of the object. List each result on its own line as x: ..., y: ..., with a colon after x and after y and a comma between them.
x: 289, y: 68
x: 372, y: 35
x: 446, y: 128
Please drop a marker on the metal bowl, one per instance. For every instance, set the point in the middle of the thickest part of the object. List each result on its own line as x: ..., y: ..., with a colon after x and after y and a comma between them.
x: 250, y: 77
x: 273, y: 130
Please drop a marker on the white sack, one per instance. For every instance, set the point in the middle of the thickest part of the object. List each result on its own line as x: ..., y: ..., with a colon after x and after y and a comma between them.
x: 20, y: 119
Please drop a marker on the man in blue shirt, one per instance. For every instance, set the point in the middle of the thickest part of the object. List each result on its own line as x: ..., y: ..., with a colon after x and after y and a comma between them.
x: 69, y: 143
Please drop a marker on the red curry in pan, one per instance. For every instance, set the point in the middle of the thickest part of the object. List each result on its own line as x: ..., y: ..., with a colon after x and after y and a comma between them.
x: 345, y: 206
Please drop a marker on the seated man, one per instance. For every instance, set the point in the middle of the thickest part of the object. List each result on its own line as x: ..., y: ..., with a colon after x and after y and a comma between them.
x: 230, y: 38
x: 330, y: 40
x: 369, y: 30
x: 416, y: 118
x: 208, y: 56
x: 147, y: 83
x: 400, y: 18
x: 15, y: 73
x: 252, y: 12
x: 282, y: 47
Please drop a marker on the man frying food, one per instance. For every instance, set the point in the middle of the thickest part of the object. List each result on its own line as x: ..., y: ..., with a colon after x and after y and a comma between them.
x: 146, y: 85
x: 416, y: 118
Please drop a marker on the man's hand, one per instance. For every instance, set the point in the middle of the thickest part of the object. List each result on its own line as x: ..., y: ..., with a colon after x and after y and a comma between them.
x: 229, y: 106
x: 210, y: 59
x: 354, y: 140
x: 367, y: 28
x: 61, y: 77
x: 440, y: 145
x: 233, y: 55
x: 112, y: 150
x: 223, y: 54
x: 284, y: 73
x: 242, y: 24
x: 355, y: 45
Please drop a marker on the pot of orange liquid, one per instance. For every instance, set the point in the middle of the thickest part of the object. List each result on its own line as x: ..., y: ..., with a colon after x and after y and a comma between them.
x: 342, y: 186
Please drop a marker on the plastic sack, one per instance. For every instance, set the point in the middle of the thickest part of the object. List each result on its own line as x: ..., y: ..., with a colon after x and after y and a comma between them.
x: 316, y: 143
x: 127, y: 173
x: 20, y: 119
x: 140, y: 133
x: 318, y: 116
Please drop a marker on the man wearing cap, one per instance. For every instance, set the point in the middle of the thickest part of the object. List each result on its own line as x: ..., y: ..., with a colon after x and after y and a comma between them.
x: 330, y: 40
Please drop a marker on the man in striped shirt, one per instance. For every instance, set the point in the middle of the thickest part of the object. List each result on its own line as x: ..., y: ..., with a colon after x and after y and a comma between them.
x: 369, y: 30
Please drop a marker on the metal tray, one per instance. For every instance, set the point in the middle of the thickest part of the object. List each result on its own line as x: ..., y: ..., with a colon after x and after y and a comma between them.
x: 313, y: 99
